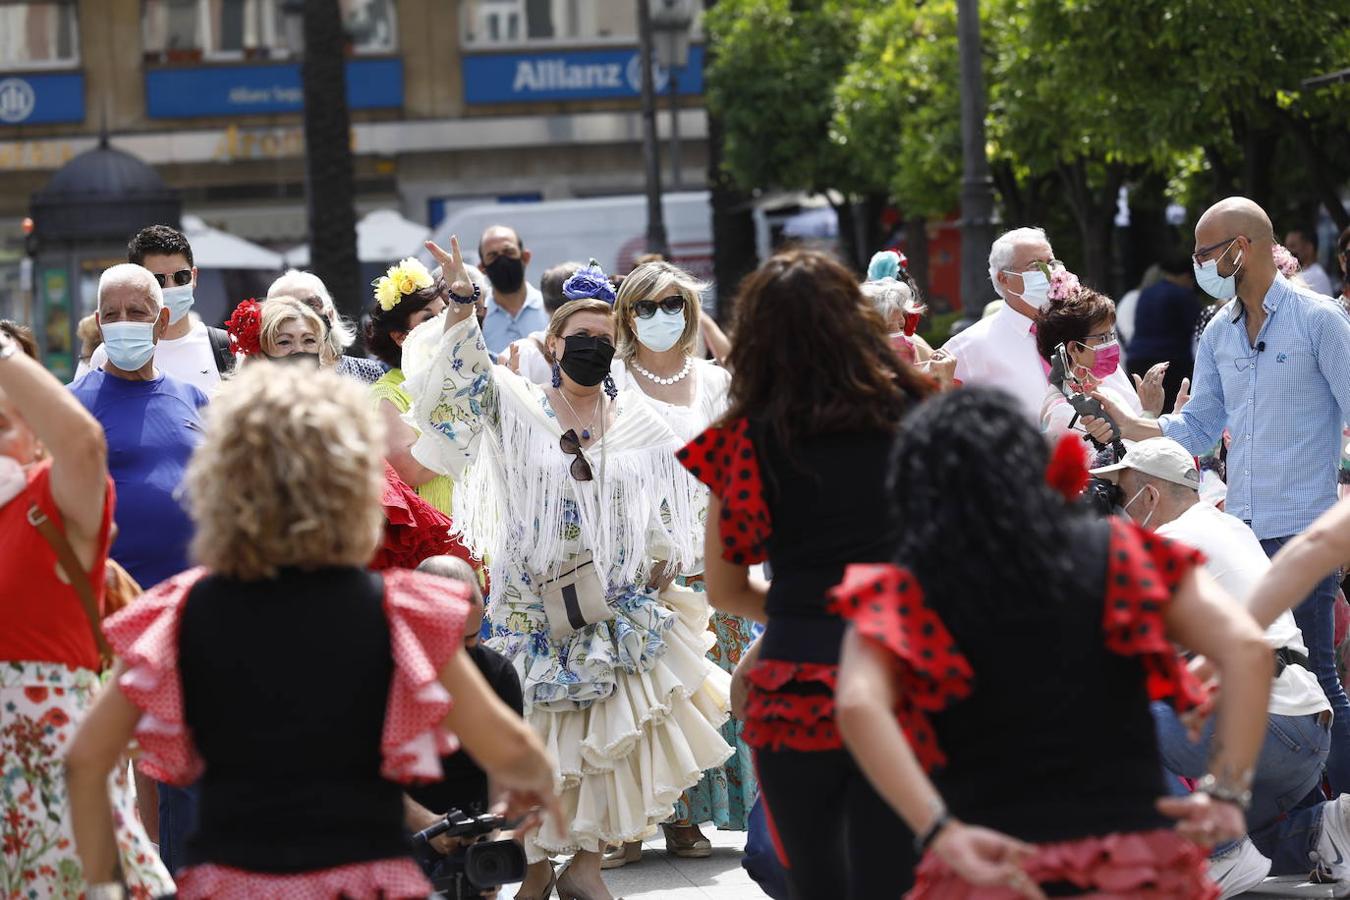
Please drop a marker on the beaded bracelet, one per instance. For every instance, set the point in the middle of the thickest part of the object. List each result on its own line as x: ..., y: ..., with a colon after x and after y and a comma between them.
x: 465, y: 301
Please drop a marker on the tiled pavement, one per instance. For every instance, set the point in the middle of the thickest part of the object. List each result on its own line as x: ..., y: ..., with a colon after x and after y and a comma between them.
x: 663, y: 877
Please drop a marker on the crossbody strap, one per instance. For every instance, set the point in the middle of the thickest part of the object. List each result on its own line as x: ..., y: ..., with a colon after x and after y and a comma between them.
x: 79, y: 579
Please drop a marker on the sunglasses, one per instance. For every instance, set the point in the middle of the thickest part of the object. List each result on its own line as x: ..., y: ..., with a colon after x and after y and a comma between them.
x: 180, y: 278
x: 571, y: 445
x: 645, y: 309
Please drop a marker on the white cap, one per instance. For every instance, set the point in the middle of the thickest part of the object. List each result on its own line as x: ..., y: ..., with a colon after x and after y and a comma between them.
x: 1158, y: 457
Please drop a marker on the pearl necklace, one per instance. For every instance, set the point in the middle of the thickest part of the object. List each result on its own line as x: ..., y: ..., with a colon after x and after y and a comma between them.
x: 683, y: 373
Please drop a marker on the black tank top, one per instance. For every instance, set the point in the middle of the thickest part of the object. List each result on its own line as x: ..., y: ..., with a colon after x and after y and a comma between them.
x: 1068, y: 753
x: 829, y: 506
x: 284, y: 689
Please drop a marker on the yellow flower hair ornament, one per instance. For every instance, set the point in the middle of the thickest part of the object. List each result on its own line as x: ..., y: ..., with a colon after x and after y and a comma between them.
x: 408, y: 277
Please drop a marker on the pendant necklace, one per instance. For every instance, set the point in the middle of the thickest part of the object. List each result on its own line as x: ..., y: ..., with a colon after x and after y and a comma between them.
x: 586, y: 429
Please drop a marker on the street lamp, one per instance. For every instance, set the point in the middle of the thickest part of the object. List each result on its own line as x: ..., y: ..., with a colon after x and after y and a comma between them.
x: 671, y: 21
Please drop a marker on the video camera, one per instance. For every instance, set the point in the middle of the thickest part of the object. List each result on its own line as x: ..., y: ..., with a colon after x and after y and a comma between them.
x: 472, y: 869
x: 1102, y: 496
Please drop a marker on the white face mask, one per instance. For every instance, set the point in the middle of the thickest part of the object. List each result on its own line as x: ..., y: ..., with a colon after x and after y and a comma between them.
x: 179, y: 301
x: 661, y: 331
x: 1035, y: 287
x: 13, y: 479
x: 1220, y: 287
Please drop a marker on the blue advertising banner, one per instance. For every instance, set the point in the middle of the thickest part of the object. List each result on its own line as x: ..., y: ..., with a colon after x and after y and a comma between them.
x: 182, y: 93
x: 41, y: 99
x: 569, y: 75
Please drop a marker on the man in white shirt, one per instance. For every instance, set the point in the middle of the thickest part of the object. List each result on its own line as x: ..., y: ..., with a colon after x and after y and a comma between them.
x: 189, y: 350
x: 1159, y: 484
x: 1303, y: 244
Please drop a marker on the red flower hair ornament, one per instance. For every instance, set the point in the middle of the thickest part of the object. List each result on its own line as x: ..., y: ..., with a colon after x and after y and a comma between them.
x: 245, y: 327
x: 1067, y: 471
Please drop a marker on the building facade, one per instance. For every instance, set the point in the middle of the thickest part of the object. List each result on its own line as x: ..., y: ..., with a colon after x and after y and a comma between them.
x: 454, y: 102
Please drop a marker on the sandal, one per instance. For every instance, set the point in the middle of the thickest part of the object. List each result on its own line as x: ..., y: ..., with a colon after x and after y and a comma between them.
x: 566, y: 892
x: 686, y: 846
x: 617, y: 856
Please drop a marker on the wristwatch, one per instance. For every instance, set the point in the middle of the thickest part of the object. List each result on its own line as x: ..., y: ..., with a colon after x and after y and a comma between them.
x: 1240, y: 798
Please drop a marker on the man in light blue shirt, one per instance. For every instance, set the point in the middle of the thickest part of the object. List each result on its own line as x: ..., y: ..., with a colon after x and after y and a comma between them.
x: 1273, y: 368
x: 515, y: 308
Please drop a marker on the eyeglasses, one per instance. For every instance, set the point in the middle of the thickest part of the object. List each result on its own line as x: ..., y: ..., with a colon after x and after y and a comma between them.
x: 180, y: 278
x: 571, y: 445
x: 1095, y: 340
x: 645, y: 309
x: 1202, y: 252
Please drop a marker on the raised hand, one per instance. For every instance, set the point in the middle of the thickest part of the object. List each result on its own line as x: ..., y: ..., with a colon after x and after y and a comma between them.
x: 1183, y: 396
x: 1150, y: 388
x: 457, y: 277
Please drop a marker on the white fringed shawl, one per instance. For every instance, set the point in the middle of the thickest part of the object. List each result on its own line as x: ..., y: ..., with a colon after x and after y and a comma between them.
x: 490, y: 431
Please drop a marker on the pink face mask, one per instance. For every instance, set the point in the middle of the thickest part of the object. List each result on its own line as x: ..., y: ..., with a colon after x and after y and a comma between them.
x: 1107, y: 359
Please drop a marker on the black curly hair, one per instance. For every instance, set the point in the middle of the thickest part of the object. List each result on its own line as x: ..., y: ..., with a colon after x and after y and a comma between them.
x: 382, y: 324
x: 160, y: 240
x: 980, y: 524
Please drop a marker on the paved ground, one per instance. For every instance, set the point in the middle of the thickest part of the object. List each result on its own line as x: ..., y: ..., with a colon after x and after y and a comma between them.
x: 719, y: 877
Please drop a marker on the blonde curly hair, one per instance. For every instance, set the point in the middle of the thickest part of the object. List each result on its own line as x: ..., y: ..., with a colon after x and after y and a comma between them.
x: 290, y: 474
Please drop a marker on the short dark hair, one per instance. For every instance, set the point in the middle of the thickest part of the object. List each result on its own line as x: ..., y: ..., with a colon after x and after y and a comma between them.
x: 551, y: 285
x: 22, y: 334
x: 158, y: 240
x: 1343, y: 242
x: 520, y: 242
x: 1308, y: 234
x: 382, y: 323
x: 1069, y: 318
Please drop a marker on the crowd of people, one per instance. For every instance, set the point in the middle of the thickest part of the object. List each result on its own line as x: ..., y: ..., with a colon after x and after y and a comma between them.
x: 574, y: 557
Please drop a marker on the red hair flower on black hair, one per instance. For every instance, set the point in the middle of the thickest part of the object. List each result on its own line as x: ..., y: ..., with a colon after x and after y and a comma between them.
x: 245, y: 327
x: 1067, y: 471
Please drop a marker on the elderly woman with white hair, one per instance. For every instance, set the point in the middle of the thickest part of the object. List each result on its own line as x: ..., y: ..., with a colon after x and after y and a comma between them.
x: 895, y: 298
x: 339, y: 334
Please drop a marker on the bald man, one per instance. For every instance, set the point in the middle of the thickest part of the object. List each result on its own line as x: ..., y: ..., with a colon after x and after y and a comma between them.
x: 515, y: 308
x: 1273, y: 369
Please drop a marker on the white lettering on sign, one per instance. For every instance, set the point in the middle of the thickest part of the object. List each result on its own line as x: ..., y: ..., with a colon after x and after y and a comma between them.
x: 559, y: 75
x: 278, y: 94
x: 17, y: 100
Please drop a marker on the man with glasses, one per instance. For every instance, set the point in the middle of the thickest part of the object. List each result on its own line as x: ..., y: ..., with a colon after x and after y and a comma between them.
x: 1000, y: 350
x: 1273, y: 370
x: 189, y: 350
x: 515, y: 308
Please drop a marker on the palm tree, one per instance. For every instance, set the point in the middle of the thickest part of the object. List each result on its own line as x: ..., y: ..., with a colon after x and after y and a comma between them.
x: 330, y: 186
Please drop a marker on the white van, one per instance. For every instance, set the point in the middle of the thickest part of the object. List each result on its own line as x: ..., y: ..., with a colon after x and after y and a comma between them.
x: 613, y: 230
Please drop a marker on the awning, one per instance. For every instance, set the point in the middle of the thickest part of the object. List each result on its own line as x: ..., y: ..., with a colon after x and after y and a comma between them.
x: 382, y: 236
x: 216, y: 249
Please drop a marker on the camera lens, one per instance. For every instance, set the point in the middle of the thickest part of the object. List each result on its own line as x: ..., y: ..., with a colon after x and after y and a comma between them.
x: 493, y: 864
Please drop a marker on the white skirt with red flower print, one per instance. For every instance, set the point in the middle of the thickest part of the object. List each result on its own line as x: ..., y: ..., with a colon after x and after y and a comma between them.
x: 41, y: 705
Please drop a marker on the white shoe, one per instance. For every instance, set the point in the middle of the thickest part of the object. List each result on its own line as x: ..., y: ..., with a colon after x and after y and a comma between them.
x: 1238, y: 869
x: 1333, y: 847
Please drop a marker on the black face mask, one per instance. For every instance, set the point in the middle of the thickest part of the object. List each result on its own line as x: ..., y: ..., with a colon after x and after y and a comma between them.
x: 586, y: 359
x: 297, y: 359
x: 507, y: 274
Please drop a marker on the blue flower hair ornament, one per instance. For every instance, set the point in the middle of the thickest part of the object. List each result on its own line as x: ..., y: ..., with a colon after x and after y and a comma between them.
x: 590, y: 283
x: 887, y: 264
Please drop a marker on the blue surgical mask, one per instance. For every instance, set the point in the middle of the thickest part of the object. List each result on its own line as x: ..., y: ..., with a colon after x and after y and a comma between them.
x: 662, y: 331
x: 1218, y: 286
x: 1035, y: 287
x: 130, y: 345
x: 179, y: 301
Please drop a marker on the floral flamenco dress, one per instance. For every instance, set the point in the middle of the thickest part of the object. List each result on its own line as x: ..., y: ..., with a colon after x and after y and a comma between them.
x: 49, y: 678
x: 629, y: 705
x: 1075, y: 769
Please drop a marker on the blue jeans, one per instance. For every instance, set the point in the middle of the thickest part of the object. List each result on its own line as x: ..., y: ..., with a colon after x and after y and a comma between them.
x: 1289, y: 767
x: 761, y: 859
x: 177, y: 819
x: 1316, y: 618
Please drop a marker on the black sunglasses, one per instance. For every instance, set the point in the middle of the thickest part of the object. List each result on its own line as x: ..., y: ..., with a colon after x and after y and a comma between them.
x: 180, y: 278
x: 645, y: 309
x: 571, y: 444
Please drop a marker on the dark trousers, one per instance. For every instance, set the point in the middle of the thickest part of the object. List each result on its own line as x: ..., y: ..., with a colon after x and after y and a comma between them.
x: 177, y: 820
x: 840, y: 839
x: 1177, y: 369
x: 1316, y: 618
